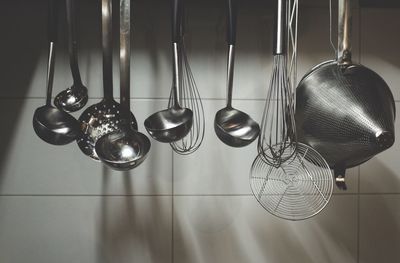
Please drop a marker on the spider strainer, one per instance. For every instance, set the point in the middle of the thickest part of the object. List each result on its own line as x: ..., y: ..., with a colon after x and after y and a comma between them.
x: 298, y: 189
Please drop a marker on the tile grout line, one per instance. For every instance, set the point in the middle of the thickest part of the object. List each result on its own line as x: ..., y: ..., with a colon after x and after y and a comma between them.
x: 172, y: 208
x: 174, y: 195
x: 359, y: 167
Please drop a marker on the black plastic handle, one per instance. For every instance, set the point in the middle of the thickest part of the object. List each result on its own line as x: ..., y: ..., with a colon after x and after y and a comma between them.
x: 176, y: 20
x: 52, y: 22
x: 232, y: 21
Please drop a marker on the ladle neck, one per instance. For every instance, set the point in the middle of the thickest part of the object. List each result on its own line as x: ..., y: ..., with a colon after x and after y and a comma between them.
x: 175, y: 74
x: 72, y: 43
x: 50, y: 72
x: 344, y: 32
x: 106, y: 6
x: 230, y: 73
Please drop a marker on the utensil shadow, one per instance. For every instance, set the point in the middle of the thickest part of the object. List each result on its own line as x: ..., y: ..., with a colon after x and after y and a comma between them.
x: 131, y: 227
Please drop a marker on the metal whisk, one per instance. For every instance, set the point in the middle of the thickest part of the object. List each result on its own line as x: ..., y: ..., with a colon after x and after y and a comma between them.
x: 189, y: 97
x: 277, y: 141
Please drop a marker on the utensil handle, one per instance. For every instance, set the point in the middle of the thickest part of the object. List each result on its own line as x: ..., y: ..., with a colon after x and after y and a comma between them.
x: 72, y: 42
x: 232, y: 21
x: 52, y: 24
x: 107, y: 42
x: 230, y: 73
x: 176, y: 21
x: 280, y: 28
x: 124, y: 57
x: 344, y: 32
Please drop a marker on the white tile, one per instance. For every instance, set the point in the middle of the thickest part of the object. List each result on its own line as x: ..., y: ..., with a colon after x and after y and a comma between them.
x: 30, y: 166
x: 238, y: 229
x: 85, y: 229
x: 379, y: 228
x: 381, y: 174
x: 216, y: 168
x: 313, y: 38
x: 380, y: 44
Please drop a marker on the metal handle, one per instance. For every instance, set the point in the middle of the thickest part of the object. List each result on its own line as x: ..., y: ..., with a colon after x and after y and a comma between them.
x: 176, y: 20
x: 106, y: 22
x: 124, y: 57
x: 52, y: 24
x: 72, y: 43
x: 175, y: 74
x: 280, y: 28
x: 232, y: 21
x: 344, y: 33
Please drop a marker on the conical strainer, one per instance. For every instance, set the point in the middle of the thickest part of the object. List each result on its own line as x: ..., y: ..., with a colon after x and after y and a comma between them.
x: 298, y: 189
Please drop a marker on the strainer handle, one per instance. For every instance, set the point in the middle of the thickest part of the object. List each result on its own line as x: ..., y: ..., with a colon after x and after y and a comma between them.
x: 340, y: 181
x: 107, y: 40
x: 344, y: 32
x: 124, y: 57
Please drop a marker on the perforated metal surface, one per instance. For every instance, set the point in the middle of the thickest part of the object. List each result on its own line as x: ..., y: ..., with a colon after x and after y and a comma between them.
x: 98, y: 120
x: 298, y: 189
x: 346, y: 114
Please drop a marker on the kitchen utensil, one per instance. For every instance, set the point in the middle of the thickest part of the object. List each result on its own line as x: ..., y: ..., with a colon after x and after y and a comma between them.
x: 189, y: 96
x: 298, y: 189
x: 174, y: 123
x: 103, y: 117
x: 51, y: 124
x: 345, y: 110
x: 278, y: 130
x: 75, y: 97
x: 234, y: 127
x: 127, y: 148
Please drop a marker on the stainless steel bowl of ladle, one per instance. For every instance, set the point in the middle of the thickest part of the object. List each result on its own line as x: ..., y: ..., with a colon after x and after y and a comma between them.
x: 75, y: 97
x: 51, y: 124
x: 234, y: 127
x: 127, y: 148
x: 174, y: 123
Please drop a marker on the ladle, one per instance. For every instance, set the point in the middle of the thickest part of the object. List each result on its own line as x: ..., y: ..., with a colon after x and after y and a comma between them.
x: 175, y: 122
x: 75, y: 97
x: 51, y: 124
x: 234, y: 127
x: 127, y: 148
x: 103, y: 117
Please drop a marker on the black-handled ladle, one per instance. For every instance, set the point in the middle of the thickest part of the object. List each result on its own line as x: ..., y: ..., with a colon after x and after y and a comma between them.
x: 127, y: 148
x: 174, y: 123
x: 75, y: 97
x: 51, y: 124
x: 234, y: 127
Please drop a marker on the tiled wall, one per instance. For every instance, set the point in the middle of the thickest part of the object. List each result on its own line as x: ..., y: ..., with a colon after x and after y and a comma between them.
x: 56, y: 205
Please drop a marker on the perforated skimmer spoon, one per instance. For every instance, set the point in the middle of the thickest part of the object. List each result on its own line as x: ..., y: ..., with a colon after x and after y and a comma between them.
x: 51, y: 124
x: 127, y: 148
x: 234, y: 127
x: 75, y: 97
x: 103, y: 117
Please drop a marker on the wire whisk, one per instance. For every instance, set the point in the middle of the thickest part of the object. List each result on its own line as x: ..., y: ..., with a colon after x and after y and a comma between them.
x: 277, y: 141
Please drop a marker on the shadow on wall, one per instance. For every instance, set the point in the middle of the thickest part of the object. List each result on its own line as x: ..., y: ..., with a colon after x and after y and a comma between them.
x: 22, y: 48
x: 133, y: 228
